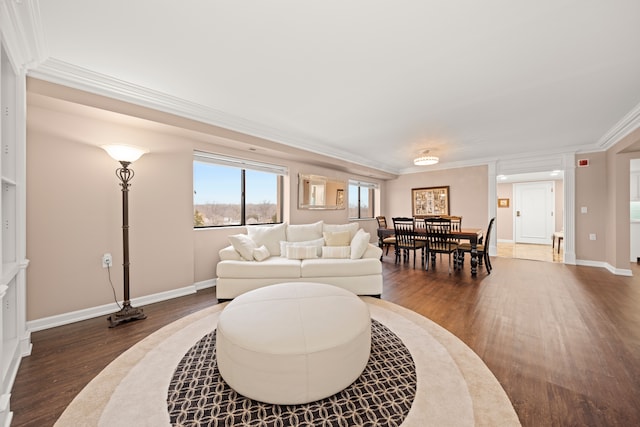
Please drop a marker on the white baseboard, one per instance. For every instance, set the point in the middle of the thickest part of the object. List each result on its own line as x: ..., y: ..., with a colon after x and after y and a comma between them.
x: 603, y: 264
x: 103, y: 310
x: 205, y: 284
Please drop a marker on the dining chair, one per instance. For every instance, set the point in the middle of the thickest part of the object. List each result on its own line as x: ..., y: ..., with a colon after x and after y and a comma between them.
x: 440, y: 239
x: 406, y: 240
x: 385, y: 239
x: 482, y: 248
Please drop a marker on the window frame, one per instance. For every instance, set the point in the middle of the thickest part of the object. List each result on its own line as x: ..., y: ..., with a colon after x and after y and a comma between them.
x: 244, y: 165
x: 371, y: 188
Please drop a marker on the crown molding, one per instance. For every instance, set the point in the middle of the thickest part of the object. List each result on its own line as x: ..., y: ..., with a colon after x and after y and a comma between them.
x: 63, y: 73
x: 22, y: 33
x: 624, y: 127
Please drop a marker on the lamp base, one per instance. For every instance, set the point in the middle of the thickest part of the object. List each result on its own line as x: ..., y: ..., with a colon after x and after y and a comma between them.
x: 127, y: 314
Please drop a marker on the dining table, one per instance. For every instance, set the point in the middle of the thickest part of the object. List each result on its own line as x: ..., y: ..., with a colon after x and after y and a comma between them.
x: 473, y: 235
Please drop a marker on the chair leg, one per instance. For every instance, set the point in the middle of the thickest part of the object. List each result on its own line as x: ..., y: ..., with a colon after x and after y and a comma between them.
x: 425, y: 259
x: 487, y: 261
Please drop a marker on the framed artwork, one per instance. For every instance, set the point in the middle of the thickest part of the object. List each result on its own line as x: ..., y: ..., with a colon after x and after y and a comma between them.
x: 430, y: 201
x: 503, y: 203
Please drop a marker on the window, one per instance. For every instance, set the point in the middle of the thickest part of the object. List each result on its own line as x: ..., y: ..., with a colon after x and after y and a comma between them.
x: 229, y: 191
x: 361, y: 199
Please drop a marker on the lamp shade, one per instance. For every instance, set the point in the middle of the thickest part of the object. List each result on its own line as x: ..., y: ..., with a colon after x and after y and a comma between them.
x: 425, y: 160
x: 124, y: 153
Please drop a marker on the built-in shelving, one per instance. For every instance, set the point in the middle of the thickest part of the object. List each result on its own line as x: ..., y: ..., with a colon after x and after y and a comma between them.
x: 15, y: 338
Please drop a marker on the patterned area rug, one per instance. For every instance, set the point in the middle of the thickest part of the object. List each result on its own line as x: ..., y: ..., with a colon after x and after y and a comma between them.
x: 381, y: 396
x: 453, y: 388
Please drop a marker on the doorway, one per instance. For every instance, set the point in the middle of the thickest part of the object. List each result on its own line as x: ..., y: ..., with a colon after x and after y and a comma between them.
x: 534, y: 211
x: 530, y: 209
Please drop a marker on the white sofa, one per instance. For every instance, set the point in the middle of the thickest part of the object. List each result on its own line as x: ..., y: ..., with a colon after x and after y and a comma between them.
x: 336, y: 254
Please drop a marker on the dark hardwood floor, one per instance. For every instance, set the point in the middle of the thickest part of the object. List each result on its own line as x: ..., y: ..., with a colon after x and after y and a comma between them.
x: 564, y: 341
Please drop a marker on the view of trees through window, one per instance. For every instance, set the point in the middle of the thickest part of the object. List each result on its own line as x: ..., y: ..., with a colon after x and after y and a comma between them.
x: 361, y: 200
x: 225, y: 195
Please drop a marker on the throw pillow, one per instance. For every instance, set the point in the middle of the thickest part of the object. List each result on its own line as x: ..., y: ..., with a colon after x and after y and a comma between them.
x: 268, y: 236
x: 336, y: 251
x: 301, y: 252
x: 261, y: 253
x: 359, y: 244
x: 351, y: 227
x: 337, y: 238
x: 317, y: 243
x: 243, y: 244
x: 304, y: 232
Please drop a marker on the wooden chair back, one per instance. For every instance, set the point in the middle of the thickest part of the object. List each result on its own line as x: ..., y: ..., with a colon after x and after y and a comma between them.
x: 382, y: 221
x: 438, y: 234
x: 405, y: 233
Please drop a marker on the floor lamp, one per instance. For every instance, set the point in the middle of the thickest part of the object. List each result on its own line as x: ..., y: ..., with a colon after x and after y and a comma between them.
x: 125, y: 155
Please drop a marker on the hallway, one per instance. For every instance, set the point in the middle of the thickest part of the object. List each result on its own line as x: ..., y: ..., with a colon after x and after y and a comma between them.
x: 530, y: 251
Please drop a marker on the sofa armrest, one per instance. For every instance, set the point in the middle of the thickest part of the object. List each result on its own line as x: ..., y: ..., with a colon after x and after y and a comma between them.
x: 229, y: 254
x: 372, y: 251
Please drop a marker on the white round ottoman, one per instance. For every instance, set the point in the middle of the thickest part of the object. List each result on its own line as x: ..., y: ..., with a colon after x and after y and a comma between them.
x: 293, y: 343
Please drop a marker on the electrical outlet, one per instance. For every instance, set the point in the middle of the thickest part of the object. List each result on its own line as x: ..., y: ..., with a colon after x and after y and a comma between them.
x: 592, y: 236
x: 107, y: 261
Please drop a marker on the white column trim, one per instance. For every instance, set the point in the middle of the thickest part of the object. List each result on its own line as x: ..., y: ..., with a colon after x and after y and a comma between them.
x: 493, y: 206
x: 569, y: 208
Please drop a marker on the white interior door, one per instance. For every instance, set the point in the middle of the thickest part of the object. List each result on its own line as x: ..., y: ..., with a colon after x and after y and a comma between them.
x: 534, y: 212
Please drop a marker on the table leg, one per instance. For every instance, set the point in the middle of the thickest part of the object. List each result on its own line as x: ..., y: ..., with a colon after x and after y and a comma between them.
x: 474, y: 258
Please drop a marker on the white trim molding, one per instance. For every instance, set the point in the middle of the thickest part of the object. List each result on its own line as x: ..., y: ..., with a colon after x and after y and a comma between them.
x: 103, y: 310
x: 63, y: 73
x: 22, y: 32
x: 603, y: 264
x: 624, y: 127
x: 205, y: 284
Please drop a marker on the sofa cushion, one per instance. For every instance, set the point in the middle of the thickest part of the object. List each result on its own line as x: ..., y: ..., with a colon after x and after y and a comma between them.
x: 317, y: 243
x: 337, y: 238
x: 243, y: 244
x: 261, y: 253
x: 304, y: 232
x: 336, y: 251
x: 270, y: 267
x: 323, y: 267
x: 351, y: 227
x: 359, y: 244
x: 269, y: 236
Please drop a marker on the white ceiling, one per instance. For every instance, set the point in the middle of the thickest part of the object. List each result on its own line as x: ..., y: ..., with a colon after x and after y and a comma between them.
x: 374, y: 82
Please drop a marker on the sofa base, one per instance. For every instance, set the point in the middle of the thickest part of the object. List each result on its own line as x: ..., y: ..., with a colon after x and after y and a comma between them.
x: 228, y: 288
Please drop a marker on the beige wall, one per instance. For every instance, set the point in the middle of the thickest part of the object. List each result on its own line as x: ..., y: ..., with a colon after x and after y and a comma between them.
x: 504, y: 216
x: 591, y: 192
x: 468, y: 193
x: 74, y: 210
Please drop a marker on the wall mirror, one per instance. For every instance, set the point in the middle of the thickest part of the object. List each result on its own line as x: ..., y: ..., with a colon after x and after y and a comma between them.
x: 320, y: 192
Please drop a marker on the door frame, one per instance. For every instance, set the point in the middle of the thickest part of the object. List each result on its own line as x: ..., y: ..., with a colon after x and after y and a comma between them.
x: 549, y: 219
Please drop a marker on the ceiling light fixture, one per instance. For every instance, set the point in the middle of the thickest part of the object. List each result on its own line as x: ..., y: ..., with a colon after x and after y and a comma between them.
x: 425, y: 159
